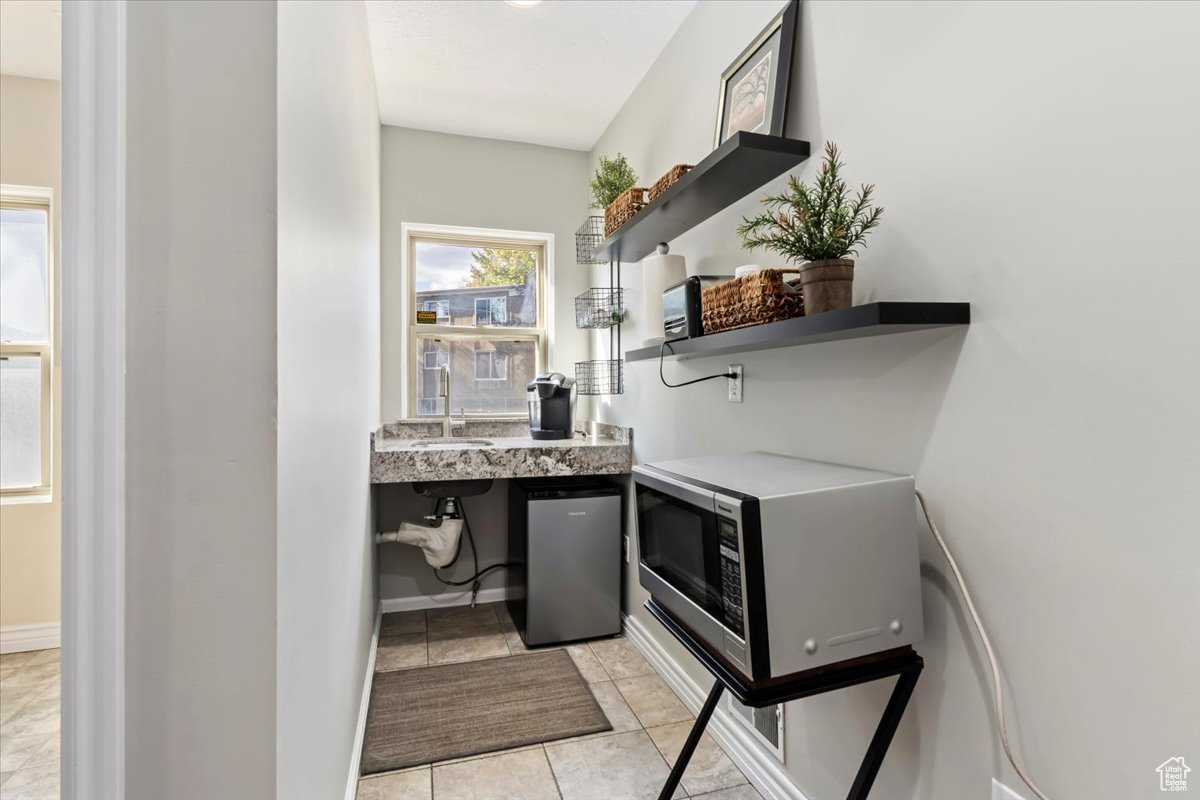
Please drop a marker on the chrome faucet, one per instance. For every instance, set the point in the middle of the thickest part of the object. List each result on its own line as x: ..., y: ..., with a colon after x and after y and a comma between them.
x: 448, y: 421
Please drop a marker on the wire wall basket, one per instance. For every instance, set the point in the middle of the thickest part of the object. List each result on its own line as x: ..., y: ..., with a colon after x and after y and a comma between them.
x: 600, y: 377
x: 589, y: 237
x: 600, y: 308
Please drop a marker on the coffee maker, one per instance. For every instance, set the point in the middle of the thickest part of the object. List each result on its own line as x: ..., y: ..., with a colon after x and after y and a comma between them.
x: 551, y: 397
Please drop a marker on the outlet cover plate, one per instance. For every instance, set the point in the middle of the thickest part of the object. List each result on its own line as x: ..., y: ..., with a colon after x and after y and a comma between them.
x: 735, y: 384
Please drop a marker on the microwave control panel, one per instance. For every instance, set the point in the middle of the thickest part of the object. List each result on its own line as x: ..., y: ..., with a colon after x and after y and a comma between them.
x: 731, y: 576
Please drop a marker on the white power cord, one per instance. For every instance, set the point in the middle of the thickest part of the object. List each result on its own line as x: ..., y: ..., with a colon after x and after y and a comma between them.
x: 997, y: 689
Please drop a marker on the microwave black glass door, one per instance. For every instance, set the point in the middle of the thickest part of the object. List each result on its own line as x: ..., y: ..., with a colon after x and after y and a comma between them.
x: 678, y: 542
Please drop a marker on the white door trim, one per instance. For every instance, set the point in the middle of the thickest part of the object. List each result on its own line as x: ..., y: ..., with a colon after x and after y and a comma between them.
x: 93, y: 337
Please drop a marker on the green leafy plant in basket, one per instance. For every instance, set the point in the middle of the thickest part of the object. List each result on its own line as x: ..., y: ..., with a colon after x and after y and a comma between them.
x: 817, y: 226
x: 613, y: 176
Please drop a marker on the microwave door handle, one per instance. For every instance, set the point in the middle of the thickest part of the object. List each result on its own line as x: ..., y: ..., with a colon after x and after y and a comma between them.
x: 678, y: 489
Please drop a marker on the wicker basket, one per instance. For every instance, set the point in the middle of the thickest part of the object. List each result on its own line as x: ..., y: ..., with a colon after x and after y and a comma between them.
x: 667, y: 181
x: 753, y: 299
x: 621, y: 210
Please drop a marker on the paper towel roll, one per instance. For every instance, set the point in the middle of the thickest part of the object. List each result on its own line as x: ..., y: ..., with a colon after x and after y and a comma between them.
x: 659, y: 273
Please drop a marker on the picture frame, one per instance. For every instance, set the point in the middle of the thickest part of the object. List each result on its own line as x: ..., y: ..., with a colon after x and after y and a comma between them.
x: 754, y: 88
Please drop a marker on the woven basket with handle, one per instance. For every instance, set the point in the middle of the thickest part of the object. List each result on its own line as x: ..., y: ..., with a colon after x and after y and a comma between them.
x: 623, y: 209
x: 753, y: 299
x: 667, y: 181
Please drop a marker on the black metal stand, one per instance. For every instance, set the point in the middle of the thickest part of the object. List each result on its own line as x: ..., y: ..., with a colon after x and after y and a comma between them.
x: 903, y: 662
x: 689, y: 747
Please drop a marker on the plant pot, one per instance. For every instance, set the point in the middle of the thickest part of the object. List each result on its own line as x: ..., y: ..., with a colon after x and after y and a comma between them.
x: 827, y: 285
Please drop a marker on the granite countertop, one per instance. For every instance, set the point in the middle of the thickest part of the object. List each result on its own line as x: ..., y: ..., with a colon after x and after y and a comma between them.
x: 398, y: 457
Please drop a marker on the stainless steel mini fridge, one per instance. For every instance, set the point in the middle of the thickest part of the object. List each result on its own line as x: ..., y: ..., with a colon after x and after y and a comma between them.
x: 564, y: 548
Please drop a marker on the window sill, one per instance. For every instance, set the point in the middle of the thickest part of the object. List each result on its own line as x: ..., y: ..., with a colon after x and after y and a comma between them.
x: 30, y: 499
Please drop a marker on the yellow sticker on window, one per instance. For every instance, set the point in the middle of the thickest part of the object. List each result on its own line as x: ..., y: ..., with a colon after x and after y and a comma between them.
x: 427, y: 317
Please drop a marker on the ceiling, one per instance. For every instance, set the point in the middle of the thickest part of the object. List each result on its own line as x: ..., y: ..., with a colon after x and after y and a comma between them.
x: 30, y: 33
x: 554, y: 74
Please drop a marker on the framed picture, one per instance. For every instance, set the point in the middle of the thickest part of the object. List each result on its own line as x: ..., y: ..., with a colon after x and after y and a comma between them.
x: 755, y: 86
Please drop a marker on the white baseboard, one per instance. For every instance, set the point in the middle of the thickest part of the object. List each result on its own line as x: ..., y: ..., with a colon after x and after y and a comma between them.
x: 442, y: 600
x: 364, y: 704
x: 20, y: 638
x: 764, y: 771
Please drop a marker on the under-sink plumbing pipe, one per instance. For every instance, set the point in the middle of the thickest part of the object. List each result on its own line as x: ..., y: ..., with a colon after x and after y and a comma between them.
x: 439, y: 543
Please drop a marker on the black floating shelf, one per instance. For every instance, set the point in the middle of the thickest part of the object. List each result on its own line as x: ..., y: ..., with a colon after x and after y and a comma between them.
x: 743, y: 163
x: 871, y: 319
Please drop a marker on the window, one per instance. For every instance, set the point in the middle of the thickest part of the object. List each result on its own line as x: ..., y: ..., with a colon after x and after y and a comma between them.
x: 442, y: 307
x: 25, y: 341
x: 491, y: 311
x: 489, y: 291
x: 490, y: 365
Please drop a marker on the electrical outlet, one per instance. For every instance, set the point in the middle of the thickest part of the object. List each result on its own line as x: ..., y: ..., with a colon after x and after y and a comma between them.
x: 735, y: 384
x: 1002, y: 792
x: 625, y: 547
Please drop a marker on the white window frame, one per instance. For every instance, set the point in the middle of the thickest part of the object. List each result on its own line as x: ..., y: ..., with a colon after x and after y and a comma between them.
x: 414, y: 333
x: 41, y: 199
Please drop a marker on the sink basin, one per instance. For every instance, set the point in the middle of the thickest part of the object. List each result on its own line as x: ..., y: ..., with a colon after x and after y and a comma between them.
x: 452, y: 441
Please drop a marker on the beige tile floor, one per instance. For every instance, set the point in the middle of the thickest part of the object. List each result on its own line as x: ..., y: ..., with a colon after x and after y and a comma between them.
x: 630, y: 762
x: 29, y: 725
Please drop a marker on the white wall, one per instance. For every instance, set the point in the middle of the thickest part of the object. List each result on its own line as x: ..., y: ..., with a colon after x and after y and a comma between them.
x: 444, y: 179
x: 1041, y: 162
x: 484, y: 183
x: 252, y: 386
x: 403, y: 571
x: 29, y: 531
x: 200, y: 401
x: 329, y: 157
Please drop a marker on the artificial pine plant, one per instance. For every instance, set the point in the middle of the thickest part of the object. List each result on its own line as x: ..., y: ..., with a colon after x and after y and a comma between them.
x: 814, y: 223
x: 613, y: 176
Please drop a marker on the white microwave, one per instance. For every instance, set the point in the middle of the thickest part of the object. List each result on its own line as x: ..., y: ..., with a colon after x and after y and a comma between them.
x: 781, y: 564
